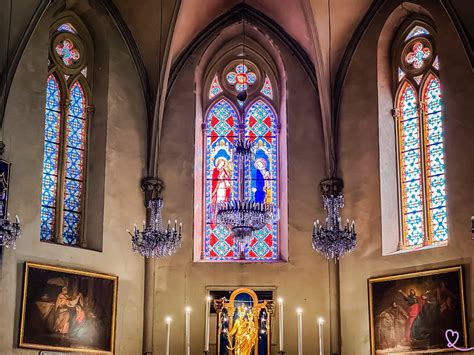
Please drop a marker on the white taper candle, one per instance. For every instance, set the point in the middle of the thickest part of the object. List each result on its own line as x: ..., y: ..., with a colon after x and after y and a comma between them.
x: 208, y: 322
x: 321, y: 336
x: 168, y: 332
x: 280, y: 325
x: 299, y: 312
x: 188, y: 331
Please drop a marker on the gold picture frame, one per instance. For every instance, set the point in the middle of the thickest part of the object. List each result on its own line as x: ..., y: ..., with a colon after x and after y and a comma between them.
x: 410, y: 313
x: 66, y: 309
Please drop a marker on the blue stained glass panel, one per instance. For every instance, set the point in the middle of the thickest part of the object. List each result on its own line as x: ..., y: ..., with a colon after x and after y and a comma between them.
x: 71, y: 225
x: 76, y: 132
x: 48, y: 198
x: 47, y: 223
x: 73, y: 195
x: 51, y: 129
x: 74, y: 163
x: 77, y: 101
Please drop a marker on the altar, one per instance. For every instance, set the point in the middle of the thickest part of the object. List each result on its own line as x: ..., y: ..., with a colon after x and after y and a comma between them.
x: 244, y: 324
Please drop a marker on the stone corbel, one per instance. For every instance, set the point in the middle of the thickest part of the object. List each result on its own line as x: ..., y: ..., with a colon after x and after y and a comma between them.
x: 331, y: 187
x: 152, y: 188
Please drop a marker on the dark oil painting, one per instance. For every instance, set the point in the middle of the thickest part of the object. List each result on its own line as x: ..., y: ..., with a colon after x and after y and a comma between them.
x: 411, y: 313
x: 66, y: 309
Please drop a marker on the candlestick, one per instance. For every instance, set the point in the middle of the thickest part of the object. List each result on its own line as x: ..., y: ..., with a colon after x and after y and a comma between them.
x: 208, y: 322
x: 321, y: 336
x: 188, y: 331
x: 168, y: 332
x: 299, y: 312
x: 280, y: 324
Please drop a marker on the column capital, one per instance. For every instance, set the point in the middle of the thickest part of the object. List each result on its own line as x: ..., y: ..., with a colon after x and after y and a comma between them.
x: 331, y: 186
x: 152, y: 188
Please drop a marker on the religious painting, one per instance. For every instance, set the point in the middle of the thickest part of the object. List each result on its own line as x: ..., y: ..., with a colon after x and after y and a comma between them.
x: 418, y: 312
x: 65, y: 310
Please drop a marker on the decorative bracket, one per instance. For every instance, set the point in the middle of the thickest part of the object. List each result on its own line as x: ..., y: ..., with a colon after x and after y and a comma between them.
x: 331, y: 187
x: 151, y: 187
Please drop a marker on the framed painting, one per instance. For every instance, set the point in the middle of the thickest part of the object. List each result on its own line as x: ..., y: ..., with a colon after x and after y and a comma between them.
x: 68, y: 310
x: 417, y: 312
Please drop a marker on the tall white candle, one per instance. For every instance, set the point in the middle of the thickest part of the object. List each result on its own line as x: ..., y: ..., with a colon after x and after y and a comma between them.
x: 280, y: 325
x: 168, y: 331
x: 321, y: 336
x: 299, y: 312
x: 208, y: 321
x: 188, y: 331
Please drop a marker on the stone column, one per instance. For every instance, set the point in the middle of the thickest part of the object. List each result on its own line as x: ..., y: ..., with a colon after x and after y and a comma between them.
x: 151, y: 187
x: 333, y: 186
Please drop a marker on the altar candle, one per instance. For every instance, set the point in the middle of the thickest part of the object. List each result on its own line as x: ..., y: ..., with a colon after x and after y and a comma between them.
x: 208, y: 322
x: 299, y: 312
x: 321, y: 336
x: 280, y: 324
x: 188, y: 331
x: 168, y: 331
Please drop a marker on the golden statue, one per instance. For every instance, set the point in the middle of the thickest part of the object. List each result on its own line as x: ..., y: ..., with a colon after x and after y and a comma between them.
x: 244, y: 333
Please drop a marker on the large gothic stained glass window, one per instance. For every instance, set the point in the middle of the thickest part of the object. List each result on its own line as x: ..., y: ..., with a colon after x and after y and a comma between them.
x: 260, y: 124
x: 65, y: 139
x: 421, y: 144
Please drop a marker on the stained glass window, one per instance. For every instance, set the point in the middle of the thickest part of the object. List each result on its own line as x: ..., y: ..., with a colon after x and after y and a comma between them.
x: 64, y: 150
x: 241, y: 77
x: 50, y: 158
x: 221, y: 177
x: 417, y: 31
x: 215, y: 88
x: 267, y: 88
x: 421, y: 145
x: 67, y: 27
x: 261, y: 182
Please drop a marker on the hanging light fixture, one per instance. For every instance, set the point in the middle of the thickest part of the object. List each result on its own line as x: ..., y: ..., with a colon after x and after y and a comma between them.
x: 243, y: 216
x: 333, y: 240
x: 155, y: 241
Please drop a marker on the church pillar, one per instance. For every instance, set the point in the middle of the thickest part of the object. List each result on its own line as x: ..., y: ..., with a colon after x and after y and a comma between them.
x: 333, y: 186
x: 334, y: 307
x: 151, y: 187
x: 148, y: 306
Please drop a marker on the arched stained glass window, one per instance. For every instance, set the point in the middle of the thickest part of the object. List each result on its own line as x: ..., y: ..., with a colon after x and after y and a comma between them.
x: 418, y: 109
x: 66, y: 127
x: 225, y: 116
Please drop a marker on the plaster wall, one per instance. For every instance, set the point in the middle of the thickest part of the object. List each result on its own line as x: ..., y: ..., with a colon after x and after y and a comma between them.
x: 361, y: 110
x: 302, y: 281
x: 120, y: 116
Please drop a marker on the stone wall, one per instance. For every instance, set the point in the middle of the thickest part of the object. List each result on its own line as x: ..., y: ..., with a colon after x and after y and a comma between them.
x: 121, y: 119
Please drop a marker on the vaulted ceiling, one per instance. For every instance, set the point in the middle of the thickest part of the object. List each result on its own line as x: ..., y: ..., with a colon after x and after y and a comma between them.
x: 317, y: 25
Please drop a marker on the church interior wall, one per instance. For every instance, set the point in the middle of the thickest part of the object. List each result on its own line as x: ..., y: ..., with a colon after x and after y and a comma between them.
x: 180, y: 282
x: 119, y: 146
x: 359, y: 164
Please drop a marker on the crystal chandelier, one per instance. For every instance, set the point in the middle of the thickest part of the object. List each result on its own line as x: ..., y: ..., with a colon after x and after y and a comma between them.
x: 155, y: 241
x: 9, y: 232
x: 244, y: 216
x: 334, y: 240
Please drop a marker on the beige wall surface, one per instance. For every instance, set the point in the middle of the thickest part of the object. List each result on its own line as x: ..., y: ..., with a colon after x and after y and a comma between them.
x: 120, y: 114
x: 302, y: 281
x: 359, y: 153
